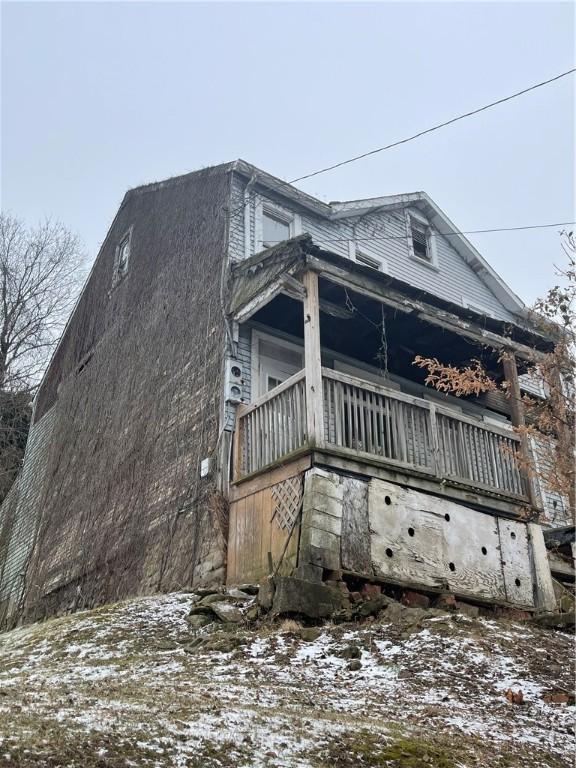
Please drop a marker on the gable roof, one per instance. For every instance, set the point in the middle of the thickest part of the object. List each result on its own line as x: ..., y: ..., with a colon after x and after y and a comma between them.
x: 420, y: 200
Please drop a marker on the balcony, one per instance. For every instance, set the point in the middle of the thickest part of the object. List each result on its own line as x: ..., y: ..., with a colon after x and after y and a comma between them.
x: 381, y: 427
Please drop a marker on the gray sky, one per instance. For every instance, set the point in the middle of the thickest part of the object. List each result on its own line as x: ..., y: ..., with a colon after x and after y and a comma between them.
x: 100, y: 97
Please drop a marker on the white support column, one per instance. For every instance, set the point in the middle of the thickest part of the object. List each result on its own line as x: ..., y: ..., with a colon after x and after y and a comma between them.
x: 313, y: 362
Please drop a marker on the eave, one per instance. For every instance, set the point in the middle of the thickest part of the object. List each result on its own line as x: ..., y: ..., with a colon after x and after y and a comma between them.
x: 258, y: 280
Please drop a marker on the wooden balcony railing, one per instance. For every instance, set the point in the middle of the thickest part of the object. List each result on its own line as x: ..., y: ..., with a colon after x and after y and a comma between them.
x: 368, y: 421
x: 272, y: 427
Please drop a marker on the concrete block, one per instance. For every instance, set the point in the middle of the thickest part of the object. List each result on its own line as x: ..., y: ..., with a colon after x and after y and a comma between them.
x: 324, y: 522
x: 468, y: 610
x: 308, y: 572
x: 305, y: 598
x: 266, y: 594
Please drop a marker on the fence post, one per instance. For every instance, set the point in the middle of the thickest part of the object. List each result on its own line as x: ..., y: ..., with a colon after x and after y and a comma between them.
x: 238, y: 443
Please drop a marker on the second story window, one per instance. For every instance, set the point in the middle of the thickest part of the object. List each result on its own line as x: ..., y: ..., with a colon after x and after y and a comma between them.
x: 273, y: 224
x: 421, y: 241
x: 274, y: 229
x: 122, y: 258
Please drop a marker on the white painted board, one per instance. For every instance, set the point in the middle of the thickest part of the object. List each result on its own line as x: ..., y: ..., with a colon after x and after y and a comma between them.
x: 418, y: 539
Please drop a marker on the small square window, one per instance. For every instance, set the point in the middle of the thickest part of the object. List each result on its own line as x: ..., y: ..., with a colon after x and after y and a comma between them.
x: 274, y: 229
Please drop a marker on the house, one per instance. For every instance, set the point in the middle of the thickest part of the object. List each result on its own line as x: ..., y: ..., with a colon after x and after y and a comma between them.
x: 234, y: 396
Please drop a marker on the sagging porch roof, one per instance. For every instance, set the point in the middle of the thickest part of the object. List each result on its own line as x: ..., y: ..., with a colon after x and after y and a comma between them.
x: 257, y: 280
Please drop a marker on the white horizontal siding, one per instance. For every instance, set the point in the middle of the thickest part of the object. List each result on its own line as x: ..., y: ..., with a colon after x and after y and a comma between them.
x: 383, y: 236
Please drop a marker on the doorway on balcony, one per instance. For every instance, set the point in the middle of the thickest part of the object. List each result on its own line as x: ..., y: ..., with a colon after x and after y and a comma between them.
x: 273, y: 361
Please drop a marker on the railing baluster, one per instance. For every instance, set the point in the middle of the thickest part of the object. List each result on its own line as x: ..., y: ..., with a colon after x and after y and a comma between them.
x: 367, y: 418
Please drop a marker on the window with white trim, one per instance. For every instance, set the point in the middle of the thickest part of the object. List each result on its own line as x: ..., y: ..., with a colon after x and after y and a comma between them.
x: 421, y: 240
x: 274, y: 224
x: 274, y: 228
x: 368, y: 261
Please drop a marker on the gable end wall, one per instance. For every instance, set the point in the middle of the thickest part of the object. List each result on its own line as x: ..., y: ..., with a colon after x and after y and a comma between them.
x: 124, y: 510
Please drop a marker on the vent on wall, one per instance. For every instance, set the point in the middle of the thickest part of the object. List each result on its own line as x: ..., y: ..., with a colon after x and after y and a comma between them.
x: 368, y: 261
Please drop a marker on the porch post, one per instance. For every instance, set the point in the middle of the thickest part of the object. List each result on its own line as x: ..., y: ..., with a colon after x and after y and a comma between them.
x: 312, y: 361
x: 519, y: 420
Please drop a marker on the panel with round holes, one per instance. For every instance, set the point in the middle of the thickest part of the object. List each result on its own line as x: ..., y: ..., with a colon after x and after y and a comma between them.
x: 420, y: 539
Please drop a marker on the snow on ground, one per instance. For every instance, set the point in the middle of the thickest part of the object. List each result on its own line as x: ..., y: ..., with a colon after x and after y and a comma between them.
x: 134, y: 685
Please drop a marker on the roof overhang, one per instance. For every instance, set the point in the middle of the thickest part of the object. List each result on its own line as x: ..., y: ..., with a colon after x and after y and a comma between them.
x: 258, y: 280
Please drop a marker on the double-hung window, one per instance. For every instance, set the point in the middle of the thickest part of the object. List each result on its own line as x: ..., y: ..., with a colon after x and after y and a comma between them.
x: 274, y: 229
x: 274, y: 224
x: 421, y: 240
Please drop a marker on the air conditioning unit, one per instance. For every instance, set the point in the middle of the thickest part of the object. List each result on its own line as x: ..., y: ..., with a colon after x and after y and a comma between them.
x: 234, y: 381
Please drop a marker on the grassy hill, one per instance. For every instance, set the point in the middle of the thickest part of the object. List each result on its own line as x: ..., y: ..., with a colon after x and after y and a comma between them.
x: 137, y: 684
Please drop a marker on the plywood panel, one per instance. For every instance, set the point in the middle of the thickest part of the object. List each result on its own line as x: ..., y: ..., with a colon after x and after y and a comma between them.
x: 257, y: 531
x: 356, y: 555
x: 516, y: 562
x: 417, y: 539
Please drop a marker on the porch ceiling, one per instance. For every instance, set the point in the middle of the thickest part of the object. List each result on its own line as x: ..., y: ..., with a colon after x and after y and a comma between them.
x: 371, y: 332
x: 258, y: 280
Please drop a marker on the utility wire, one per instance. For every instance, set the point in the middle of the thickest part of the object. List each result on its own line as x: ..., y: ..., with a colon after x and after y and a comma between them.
x: 434, y: 128
x: 243, y: 205
x: 443, y: 234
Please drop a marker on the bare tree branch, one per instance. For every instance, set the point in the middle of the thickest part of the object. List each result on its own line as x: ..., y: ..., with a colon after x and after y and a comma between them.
x: 40, y: 275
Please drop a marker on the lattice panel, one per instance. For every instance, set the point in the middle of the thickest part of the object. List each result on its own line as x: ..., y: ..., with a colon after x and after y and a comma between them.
x: 287, y: 496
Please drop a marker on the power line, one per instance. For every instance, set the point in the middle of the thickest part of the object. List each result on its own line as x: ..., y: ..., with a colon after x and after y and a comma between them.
x: 444, y: 234
x: 434, y: 128
x: 246, y: 202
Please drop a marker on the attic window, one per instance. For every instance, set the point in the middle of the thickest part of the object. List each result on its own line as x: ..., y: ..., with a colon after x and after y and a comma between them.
x: 122, y: 258
x: 274, y: 229
x: 420, y: 244
x: 421, y: 240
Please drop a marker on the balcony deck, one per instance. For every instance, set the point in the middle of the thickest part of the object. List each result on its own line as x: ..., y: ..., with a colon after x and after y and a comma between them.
x: 373, y: 424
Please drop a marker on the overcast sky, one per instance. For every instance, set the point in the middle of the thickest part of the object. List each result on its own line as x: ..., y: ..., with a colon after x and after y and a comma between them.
x: 100, y: 97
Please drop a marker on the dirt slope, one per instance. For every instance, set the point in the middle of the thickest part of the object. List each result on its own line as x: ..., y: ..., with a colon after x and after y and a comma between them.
x: 134, y: 685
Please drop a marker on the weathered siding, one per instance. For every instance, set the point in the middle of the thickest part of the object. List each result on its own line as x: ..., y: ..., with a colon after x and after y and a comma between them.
x: 383, y: 236
x: 19, y: 515
x: 125, y: 510
x: 265, y: 524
